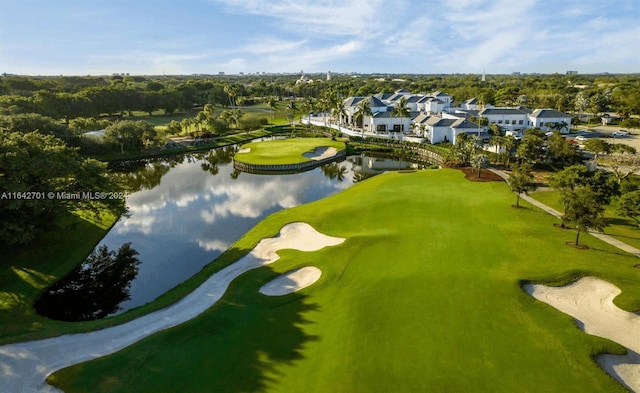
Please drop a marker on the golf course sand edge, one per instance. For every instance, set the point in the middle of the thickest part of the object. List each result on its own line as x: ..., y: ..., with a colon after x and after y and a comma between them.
x: 291, y: 281
x: 590, y: 301
x: 25, y: 366
x: 321, y: 153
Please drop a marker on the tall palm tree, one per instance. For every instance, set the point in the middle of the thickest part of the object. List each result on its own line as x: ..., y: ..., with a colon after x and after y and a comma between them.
x: 324, y: 106
x: 364, y: 110
x: 291, y: 106
x: 273, y: 105
x: 401, y: 110
x: 337, y: 112
x: 307, y: 107
x: 185, y: 124
x: 201, y: 118
x: 231, y: 92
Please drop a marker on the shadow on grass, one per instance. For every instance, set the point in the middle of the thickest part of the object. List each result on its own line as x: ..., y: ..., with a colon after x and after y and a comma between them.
x: 234, y: 346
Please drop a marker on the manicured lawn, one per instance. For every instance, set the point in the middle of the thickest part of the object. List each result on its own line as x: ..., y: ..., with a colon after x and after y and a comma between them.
x: 27, y: 271
x: 425, y: 295
x: 287, y: 151
x: 622, y: 228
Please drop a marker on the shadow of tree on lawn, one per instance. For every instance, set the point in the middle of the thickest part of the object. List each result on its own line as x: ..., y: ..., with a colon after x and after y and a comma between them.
x: 234, y: 346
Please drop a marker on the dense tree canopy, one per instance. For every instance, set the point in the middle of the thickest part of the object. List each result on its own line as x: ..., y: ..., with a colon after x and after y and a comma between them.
x: 40, y: 178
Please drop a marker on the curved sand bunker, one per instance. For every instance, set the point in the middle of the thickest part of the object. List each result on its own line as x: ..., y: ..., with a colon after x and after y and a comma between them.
x: 320, y: 153
x: 245, y: 150
x: 590, y: 301
x: 292, y: 281
x: 24, y: 367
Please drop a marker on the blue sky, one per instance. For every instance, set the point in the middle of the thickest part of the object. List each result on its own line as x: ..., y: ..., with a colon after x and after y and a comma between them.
x: 369, y: 36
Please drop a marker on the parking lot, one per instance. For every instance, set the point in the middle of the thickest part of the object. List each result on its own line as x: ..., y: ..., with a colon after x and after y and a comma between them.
x: 633, y: 139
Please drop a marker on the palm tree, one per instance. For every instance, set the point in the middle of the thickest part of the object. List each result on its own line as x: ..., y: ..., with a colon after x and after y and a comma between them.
x: 364, y: 110
x: 231, y: 92
x: 292, y: 107
x: 508, y: 143
x: 338, y: 111
x: 401, y: 110
x: 209, y: 110
x: 324, y: 106
x: 307, y: 107
x: 200, y: 119
x: 185, y: 124
x: 273, y: 105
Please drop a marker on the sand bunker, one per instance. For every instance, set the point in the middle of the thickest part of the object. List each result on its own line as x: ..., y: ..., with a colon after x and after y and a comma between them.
x: 320, y: 153
x: 25, y: 366
x: 245, y: 150
x: 292, y: 281
x: 590, y: 301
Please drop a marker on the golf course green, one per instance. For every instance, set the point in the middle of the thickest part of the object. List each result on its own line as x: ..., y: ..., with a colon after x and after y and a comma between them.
x: 285, y: 151
x: 425, y: 295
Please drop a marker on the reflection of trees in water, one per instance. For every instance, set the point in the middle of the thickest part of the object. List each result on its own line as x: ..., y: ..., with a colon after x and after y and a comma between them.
x: 359, y: 176
x: 94, y: 289
x: 143, y: 174
x: 212, y: 158
x: 235, y: 174
x: 334, y: 171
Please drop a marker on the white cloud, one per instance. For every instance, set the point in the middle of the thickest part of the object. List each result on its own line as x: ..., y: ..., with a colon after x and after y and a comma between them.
x: 332, y: 17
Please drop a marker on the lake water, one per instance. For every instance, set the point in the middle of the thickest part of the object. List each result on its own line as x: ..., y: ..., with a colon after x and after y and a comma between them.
x: 187, y: 210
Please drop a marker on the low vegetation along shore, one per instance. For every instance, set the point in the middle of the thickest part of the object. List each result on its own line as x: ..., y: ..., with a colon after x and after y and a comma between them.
x: 425, y: 293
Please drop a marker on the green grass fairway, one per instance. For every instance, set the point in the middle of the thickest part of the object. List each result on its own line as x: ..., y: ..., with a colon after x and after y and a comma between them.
x: 287, y: 151
x: 424, y: 296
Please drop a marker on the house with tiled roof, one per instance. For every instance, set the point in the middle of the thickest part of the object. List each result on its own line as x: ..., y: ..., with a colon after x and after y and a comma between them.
x: 440, y: 129
x: 550, y: 119
x: 471, y: 104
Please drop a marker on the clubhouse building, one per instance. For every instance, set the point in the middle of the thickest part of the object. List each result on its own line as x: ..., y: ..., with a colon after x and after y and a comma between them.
x: 434, y: 118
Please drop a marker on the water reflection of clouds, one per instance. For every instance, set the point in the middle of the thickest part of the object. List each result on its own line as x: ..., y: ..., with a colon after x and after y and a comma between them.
x: 252, y: 199
x: 213, y: 245
x: 190, y: 217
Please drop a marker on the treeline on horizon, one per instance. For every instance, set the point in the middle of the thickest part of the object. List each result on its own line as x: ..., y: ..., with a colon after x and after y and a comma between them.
x: 69, y: 97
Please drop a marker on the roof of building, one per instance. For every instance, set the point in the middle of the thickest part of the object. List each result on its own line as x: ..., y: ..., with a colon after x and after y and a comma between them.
x: 421, y: 118
x: 440, y: 94
x: 466, y: 113
x: 548, y: 113
x: 464, y: 123
x: 396, y: 97
x: 437, y: 121
x: 414, y: 98
x: 351, y: 101
x: 503, y: 111
x: 472, y: 101
x: 381, y: 115
x: 383, y: 96
x: 354, y: 101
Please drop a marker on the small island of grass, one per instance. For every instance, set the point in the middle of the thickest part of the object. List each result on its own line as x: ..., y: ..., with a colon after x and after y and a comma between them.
x: 288, y: 154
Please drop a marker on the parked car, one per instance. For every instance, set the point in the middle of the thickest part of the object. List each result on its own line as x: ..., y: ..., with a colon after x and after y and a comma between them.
x: 581, y: 138
x: 619, y: 134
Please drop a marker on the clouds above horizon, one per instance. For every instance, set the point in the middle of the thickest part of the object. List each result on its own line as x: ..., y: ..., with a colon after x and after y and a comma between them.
x: 208, y: 36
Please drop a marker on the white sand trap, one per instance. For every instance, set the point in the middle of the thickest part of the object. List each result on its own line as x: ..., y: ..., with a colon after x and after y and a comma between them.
x: 245, y: 150
x: 320, y: 153
x: 590, y: 301
x: 25, y: 366
x: 292, y: 281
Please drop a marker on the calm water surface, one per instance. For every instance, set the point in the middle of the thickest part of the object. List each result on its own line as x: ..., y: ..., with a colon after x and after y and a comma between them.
x: 188, y: 210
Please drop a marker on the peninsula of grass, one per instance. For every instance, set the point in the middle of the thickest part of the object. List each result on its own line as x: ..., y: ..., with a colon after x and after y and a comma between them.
x: 285, y: 151
x: 424, y: 295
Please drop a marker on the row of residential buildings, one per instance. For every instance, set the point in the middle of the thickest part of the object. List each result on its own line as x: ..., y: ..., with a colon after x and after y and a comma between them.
x: 434, y: 118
